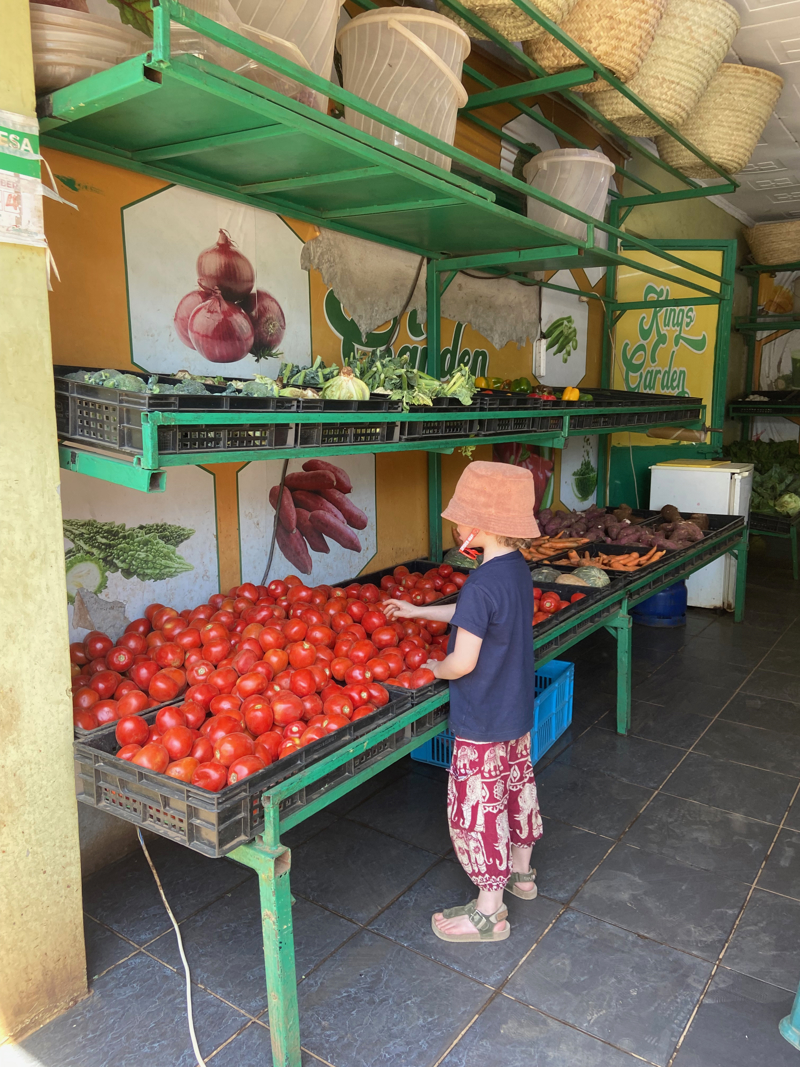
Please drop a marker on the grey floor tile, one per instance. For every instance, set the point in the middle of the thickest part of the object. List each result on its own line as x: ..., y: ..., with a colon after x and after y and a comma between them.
x: 715, y: 646
x: 136, y: 1015
x: 698, y: 670
x: 592, y: 801
x: 413, y: 808
x: 253, y: 1048
x: 588, y: 707
x: 356, y: 870
x: 224, y: 945
x: 702, y: 836
x: 661, y: 639
x: 764, y: 712
x: 408, y: 921
x: 669, y: 726
x: 103, y: 947
x: 733, y: 787
x: 773, y: 684
x: 765, y: 943
x: 631, y: 759
x: 782, y: 871
x: 374, y: 785
x: 749, y: 633
x: 755, y: 747
x: 632, y: 992
x: 375, y: 1002
x: 308, y: 828
x: 565, y: 857
x: 737, y: 1026
x: 783, y: 659
x: 793, y: 818
x: 649, y: 894
x: 674, y: 691
x: 510, y: 1034
x: 124, y: 895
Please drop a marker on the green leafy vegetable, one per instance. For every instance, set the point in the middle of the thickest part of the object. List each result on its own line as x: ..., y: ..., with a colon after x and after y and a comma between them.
x: 788, y: 504
x: 776, y: 474
x: 136, y: 13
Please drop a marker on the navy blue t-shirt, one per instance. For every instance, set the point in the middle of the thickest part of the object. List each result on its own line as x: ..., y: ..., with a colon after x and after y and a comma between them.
x: 494, y: 702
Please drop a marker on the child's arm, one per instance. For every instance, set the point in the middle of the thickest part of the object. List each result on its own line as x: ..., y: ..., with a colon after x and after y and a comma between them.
x: 402, y: 609
x: 462, y: 659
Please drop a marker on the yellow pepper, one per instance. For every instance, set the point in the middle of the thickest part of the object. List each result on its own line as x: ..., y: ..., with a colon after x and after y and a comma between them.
x: 571, y: 393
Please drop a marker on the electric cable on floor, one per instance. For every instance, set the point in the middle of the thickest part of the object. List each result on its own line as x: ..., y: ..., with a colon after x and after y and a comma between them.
x: 190, y: 1018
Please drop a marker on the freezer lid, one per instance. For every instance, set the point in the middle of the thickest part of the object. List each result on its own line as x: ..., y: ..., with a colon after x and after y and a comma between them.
x: 705, y: 464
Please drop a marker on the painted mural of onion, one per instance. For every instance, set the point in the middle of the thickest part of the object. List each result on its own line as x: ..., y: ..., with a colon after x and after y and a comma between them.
x: 183, y: 313
x: 269, y: 322
x: 220, y: 330
x: 225, y: 268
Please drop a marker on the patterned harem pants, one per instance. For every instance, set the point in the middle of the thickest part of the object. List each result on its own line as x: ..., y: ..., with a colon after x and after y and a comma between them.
x: 491, y: 805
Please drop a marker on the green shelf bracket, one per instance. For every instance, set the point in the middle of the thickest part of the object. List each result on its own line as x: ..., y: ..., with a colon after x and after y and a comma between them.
x: 769, y: 325
x: 129, y: 474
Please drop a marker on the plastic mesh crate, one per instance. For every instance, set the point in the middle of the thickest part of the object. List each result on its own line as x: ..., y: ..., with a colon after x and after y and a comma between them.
x: 552, y: 714
x: 316, y: 434
x: 412, y: 431
x: 508, y: 424
x: 174, y: 440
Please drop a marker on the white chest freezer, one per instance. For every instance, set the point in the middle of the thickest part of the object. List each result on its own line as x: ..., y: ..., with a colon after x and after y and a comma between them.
x: 717, y: 488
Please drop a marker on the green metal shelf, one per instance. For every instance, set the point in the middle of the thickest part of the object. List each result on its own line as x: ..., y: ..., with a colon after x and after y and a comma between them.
x: 767, y: 325
x: 769, y: 268
x: 743, y: 410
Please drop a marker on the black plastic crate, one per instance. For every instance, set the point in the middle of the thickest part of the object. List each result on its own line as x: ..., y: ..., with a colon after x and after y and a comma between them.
x: 324, y: 434
x: 80, y: 733
x: 211, y: 823
x: 784, y: 398
x: 776, y: 524
x: 584, y: 623
x: 421, y: 565
x: 175, y: 440
x: 376, y: 402
x: 547, y: 423
x: 370, y: 756
x: 418, y: 696
x: 594, y: 549
x: 592, y: 597
x: 497, y: 399
x: 508, y: 424
x: 413, y: 431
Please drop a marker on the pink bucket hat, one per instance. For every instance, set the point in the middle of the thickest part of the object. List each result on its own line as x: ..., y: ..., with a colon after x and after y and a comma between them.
x: 495, y: 497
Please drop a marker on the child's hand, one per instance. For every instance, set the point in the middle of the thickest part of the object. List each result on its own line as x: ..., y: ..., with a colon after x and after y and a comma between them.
x: 399, y: 609
x: 432, y: 664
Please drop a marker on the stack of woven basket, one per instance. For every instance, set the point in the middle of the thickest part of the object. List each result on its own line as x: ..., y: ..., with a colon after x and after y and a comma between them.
x: 668, y: 52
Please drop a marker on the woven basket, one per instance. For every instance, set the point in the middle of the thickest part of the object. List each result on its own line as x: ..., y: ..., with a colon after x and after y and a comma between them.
x: 775, y: 242
x: 691, y: 41
x: 618, y: 33
x: 505, y: 17
x: 727, y: 121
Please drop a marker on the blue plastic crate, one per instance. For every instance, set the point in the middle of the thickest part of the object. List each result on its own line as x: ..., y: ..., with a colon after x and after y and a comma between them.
x: 552, y: 714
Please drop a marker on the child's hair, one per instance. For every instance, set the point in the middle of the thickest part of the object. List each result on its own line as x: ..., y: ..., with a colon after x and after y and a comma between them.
x: 515, y: 542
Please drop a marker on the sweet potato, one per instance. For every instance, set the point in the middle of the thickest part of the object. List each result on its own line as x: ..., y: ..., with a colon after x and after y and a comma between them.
x: 343, y: 483
x: 313, y: 502
x: 671, y: 514
x: 353, y: 516
x: 316, y: 541
x: 336, y: 529
x: 287, y: 516
x: 294, y: 548
x: 311, y: 480
x: 700, y: 520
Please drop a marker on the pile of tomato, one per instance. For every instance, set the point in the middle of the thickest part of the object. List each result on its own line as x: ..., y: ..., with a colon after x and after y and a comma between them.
x: 262, y: 671
x: 548, y: 603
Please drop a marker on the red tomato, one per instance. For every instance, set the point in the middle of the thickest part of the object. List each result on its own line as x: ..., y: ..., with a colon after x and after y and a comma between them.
x: 338, y: 703
x: 373, y: 620
x: 143, y: 672
x: 220, y: 725
x: 395, y: 661
x: 105, y: 682
x: 295, y: 730
x: 312, y: 617
x: 271, y: 637
x: 127, y: 685
x: 150, y: 611
x: 286, y: 708
x: 259, y: 718
x: 188, y: 638
x: 97, y: 644
x: 422, y: 676
x: 202, y: 750
x: 127, y: 752
x: 340, y: 621
x: 435, y: 628
x: 250, y: 684
x: 224, y: 678
x: 105, y: 711
x: 226, y: 704
x: 84, y: 719
x: 169, y: 717
x: 277, y: 658
x: 379, y: 668
x: 321, y: 673
x: 169, y: 655
x: 77, y: 653
x: 362, y: 651
x: 362, y: 711
x: 199, y: 672
x: 357, y: 674
x: 84, y: 698
x: 153, y: 756
x: 282, y: 681
x: 173, y: 625
x: 211, y: 776
x: 277, y: 589
x: 313, y: 733
x: 321, y: 635
x: 202, y: 693
x: 334, y: 721
x: 384, y: 637
x: 340, y: 666
x: 119, y: 659
x: 178, y: 741
x: 437, y: 654
x: 549, y: 602
x: 301, y: 654
x: 303, y: 683
x: 312, y: 705
x: 183, y: 769
x: 194, y: 714
x: 225, y: 618
x: 403, y: 679
x: 295, y: 630
x: 232, y: 747
x: 271, y: 741
x: 415, y: 657
x: 288, y: 747
x: 576, y: 597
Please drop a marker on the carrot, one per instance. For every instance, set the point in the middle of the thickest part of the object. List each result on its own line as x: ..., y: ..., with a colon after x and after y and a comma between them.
x: 646, y: 557
x: 658, y: 555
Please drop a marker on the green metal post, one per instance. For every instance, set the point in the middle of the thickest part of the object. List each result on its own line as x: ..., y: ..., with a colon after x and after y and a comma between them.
x: 434, y: 324
x: 793, y: 542
x: 740, y: 554
x: 272, y: 864
x: 621, y: 627
x: 790, y: 1025
x: 435, y: 505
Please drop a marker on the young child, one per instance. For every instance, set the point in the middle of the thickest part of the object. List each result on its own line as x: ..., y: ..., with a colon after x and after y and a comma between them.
x: 493, y: 809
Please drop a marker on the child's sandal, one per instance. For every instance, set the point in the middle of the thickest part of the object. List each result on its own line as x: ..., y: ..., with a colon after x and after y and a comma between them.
x: 484, y: 924
x: 522, y: 876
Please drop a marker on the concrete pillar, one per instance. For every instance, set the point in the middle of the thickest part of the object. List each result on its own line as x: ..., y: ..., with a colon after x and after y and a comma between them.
x: 42, y: 962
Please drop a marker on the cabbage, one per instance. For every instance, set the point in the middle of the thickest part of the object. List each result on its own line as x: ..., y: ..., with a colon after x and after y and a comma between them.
x: 788, y: 504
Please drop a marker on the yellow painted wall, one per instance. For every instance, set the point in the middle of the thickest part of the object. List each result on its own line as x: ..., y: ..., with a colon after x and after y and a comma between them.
x: 42, y: 964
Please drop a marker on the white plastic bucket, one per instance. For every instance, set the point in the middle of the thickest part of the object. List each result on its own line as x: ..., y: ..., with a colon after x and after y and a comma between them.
x: 409, y: 63
x: 575, y: 175
x: 308, y: 24
x: 264, y: 75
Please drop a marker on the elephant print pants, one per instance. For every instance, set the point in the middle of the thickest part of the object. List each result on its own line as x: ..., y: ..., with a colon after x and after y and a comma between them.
x: 491, y: 805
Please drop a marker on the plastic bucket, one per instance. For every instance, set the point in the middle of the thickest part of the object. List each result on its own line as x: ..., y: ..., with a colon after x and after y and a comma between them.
x: 407, y: 62
x: 308, y: 24
x: 263, y: 75
x: 576, y: 176
x: 666, y: 609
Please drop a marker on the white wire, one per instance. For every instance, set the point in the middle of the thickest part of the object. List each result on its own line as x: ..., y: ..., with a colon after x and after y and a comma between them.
x: 190, y: 1018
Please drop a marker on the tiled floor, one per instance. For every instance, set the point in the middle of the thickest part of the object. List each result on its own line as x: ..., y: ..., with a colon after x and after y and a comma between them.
x: 665, y: 932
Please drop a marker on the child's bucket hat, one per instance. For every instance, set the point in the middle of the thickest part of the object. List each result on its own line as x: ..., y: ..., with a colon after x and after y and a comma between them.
x: 495, y: 497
